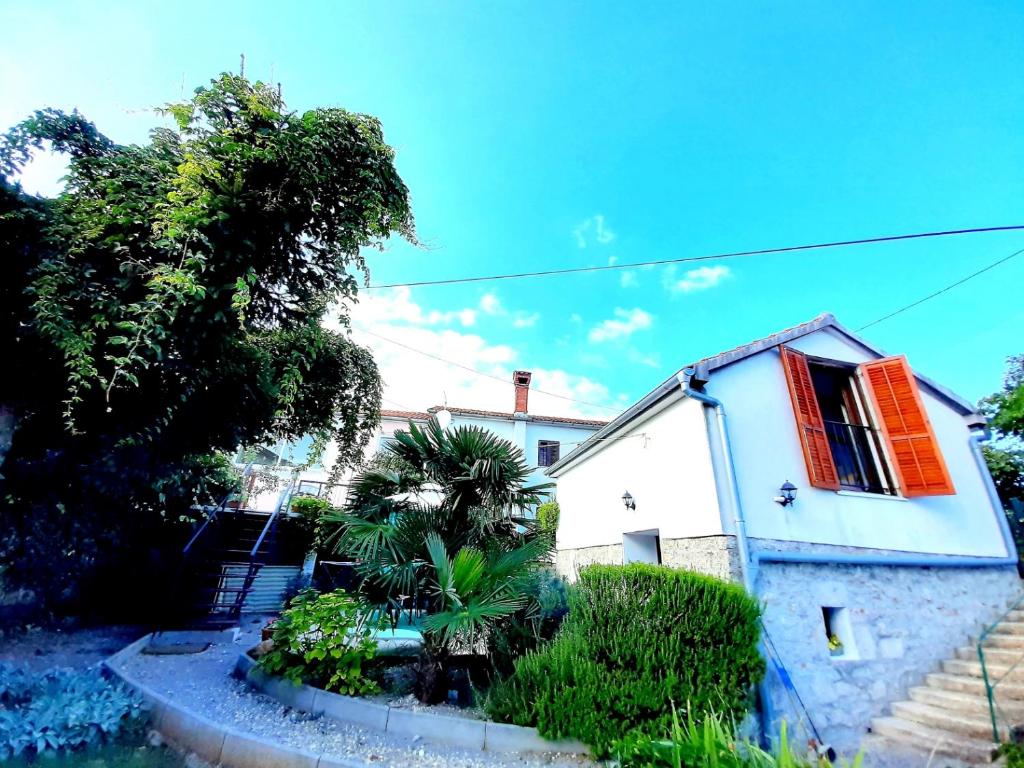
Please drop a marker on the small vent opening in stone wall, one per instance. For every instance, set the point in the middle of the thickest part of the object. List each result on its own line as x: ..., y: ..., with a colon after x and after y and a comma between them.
x: 839, y: 632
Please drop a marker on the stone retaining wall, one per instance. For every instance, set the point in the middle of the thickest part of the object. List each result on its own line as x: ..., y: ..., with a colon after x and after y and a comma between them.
x: 903, y: 622
x: 221, y: 745
x: 434, y: 729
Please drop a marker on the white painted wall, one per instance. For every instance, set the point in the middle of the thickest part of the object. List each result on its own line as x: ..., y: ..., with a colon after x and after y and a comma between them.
x: 668, y: 471
x: 767, y: 451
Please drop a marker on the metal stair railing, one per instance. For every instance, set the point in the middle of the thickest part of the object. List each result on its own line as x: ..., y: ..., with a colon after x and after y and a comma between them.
x: 266, y: 535
x: 995, y: 713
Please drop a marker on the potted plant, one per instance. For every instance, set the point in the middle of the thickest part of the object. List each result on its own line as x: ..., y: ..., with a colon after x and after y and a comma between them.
x: 835, y: 645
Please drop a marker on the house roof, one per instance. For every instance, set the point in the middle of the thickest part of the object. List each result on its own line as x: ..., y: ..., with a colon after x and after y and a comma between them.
x: 699, y: 372
x: 423, y: 416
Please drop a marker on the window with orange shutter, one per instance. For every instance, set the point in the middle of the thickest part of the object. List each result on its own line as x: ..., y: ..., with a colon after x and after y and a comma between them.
x: 844, y: 447
x: 821, y: 469
x: 834, y: 422
x: 913, y: 447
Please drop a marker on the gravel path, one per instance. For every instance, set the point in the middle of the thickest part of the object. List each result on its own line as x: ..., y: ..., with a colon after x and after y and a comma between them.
x: 42, y: 649
x: 204, y: 683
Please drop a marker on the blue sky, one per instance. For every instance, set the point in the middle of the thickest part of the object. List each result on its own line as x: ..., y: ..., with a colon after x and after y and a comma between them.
x: 538, y: 135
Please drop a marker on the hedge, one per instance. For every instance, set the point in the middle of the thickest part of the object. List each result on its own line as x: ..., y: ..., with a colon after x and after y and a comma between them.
x: 638, y: 639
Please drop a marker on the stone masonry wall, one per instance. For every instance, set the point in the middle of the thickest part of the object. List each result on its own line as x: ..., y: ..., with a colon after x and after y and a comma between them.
x: 568, y: 562
x: 903, y: 622
x: 713, y: 555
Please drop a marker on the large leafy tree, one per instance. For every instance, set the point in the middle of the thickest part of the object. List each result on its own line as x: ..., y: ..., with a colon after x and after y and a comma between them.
x: 169, y: 305
x: 1005, y: 457
x: 437, y: 524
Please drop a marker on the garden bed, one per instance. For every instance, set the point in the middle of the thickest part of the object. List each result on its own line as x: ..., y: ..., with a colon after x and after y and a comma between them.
x: 437, y: 724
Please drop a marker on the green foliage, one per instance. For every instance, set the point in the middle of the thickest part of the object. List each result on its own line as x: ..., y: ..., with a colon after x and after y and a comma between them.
x: 311, y: 511
x: 547, y: 516
x: 1014, y: 754
x: 1007, y: 468
x: 63, y: 710
x: 325, y: 640
x: 709, y: 743
x: 170, y: 304
x: 468, y: 559
x: 523, y: 631
x: 1005, y: 409
x: 636, y: 638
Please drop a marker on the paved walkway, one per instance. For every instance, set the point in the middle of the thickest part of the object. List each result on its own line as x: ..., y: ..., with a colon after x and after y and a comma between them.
x: 204, y: 684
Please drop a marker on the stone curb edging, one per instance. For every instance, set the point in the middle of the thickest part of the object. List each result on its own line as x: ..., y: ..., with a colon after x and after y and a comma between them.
x: 213, y: 742
x: 461, y: 732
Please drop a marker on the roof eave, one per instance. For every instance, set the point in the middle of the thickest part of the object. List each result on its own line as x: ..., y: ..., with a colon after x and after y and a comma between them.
x: 671, y: 385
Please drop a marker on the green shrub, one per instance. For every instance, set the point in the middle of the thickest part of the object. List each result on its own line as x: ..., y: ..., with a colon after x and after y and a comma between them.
x: 63, y: 710
x: 311, y: 511
x: 324, y: 640
x: 710, y: 744
x: 547, y: 516
x: 637, y: 638
x: 1014, y: 754
x: 514, y: 636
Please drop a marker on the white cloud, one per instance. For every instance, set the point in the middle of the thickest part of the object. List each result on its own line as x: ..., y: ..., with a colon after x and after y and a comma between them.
x: 525, y: 319
x: 490, y: 304
x: 594, y: 229
x: 412, y: 380
x: 575, y: 317
x: 625, y: 323
x: 694, y: 280
x: 466, y: 317
x: 640, y: 358
x: 396, y: 306
x: 628, y: 279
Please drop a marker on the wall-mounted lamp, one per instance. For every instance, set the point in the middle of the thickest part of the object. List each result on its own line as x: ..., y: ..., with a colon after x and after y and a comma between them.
x: 628, y: 500
x: 787, y: 494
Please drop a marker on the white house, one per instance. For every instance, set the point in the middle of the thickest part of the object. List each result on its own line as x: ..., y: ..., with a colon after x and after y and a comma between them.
x: 894, y: 543
x: 542, y: 439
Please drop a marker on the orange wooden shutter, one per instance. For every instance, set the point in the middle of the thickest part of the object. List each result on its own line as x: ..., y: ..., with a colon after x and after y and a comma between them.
x: 913, y: 449
x: 821, y: 469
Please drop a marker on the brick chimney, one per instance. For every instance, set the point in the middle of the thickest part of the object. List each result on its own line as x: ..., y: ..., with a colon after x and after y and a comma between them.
x: 521, y: 379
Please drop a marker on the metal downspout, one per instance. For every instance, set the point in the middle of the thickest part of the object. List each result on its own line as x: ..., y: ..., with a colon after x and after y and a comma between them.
x: 740, y: 526
x: 739, y: 523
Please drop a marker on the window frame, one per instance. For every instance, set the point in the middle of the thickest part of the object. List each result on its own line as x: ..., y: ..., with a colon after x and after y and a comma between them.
x: 878, y: 444
x: 548, y: 444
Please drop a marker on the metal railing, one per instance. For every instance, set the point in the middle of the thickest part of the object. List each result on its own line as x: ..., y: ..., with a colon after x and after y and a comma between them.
x: 854, y: 450
x: 991, y: 683
x: 212, y: 512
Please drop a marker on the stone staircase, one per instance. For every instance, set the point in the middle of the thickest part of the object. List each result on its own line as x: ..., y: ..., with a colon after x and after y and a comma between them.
x: 949, y: 714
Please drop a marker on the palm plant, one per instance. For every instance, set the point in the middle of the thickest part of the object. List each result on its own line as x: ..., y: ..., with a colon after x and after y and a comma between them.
x: 437, y: 523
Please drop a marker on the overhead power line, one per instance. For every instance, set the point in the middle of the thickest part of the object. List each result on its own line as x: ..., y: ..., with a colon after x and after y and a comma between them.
x: 479, y: 373
x: 941, y: 291
x: 710, y: 257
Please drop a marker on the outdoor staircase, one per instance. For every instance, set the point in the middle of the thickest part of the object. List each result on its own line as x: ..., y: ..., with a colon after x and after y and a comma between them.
x: 950, y: 713
x: 239, y: 561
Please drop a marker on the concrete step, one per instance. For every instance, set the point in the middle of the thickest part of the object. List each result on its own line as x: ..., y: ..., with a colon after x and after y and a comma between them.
x: 973, y: 668
x: 976, y: 726
x: 1002, y: 641
x: 972, y: 704
x: 975, y: 751
x: 1007, y: 656
x: 1008, y: 690
x: 1009, y: 628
